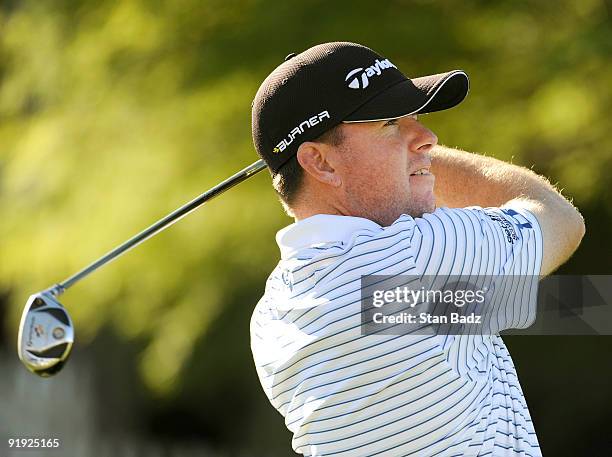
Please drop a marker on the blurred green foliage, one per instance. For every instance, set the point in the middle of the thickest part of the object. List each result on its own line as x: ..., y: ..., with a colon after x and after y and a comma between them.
x: 113, y: 113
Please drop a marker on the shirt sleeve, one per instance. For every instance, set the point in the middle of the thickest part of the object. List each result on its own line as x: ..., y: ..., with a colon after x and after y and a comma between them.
x: 500, y: 246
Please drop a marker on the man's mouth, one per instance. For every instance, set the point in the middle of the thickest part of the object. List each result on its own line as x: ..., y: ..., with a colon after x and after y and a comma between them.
x: 421, y: 172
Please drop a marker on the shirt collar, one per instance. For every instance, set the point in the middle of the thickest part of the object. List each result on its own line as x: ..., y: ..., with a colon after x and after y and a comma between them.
x: 320, y: 228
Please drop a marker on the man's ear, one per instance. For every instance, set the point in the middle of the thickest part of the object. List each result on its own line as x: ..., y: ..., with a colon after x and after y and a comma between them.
x: 313, y: 157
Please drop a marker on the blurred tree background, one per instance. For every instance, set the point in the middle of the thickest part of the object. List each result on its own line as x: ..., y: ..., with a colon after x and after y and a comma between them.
x: 113, y: 113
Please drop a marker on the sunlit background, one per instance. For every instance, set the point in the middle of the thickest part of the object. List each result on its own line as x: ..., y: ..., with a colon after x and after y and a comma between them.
x: 113, y: 113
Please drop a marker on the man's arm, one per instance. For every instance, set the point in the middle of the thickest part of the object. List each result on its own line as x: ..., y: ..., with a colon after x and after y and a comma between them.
x: 466, y: 179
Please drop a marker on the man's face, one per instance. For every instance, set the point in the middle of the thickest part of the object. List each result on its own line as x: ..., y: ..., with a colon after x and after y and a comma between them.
x: 384, y: 166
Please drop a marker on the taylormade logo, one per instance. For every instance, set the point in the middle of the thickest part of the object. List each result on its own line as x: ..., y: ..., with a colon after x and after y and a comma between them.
x: 359, y: 78
x: 308, y: 123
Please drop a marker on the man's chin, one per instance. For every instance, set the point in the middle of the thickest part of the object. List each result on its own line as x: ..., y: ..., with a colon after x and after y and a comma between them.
x: 387, y: 214
x: 422, y: 206
x: 420, y: 213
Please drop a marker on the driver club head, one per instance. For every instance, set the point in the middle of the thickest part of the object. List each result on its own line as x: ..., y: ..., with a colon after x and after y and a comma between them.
x: 46, y: 334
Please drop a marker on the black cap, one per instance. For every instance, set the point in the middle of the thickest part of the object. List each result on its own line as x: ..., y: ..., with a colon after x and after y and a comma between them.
x: 331, y: 83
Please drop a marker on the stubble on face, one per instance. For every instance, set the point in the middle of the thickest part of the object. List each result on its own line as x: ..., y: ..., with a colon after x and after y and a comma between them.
x: 377, y: 183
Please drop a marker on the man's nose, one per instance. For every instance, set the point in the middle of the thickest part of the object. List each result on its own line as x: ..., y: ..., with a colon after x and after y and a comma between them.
x: 423, y: 141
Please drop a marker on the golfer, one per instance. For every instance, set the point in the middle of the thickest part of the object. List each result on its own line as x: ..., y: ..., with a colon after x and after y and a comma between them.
x: 372, y: 193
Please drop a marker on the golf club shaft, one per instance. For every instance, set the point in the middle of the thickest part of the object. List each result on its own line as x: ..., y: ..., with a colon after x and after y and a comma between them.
x: 160, y: 225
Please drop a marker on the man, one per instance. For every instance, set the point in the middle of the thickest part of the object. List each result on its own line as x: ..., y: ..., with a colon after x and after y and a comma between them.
x: 337, y: 126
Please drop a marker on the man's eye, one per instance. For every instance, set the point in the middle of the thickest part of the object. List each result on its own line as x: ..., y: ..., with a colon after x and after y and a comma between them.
x: 391, y: 122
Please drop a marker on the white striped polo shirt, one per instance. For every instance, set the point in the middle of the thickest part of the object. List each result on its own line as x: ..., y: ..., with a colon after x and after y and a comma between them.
x: 344, y: 394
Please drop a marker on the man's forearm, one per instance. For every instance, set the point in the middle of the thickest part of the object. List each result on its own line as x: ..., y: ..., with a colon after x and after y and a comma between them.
x: 467, y: 179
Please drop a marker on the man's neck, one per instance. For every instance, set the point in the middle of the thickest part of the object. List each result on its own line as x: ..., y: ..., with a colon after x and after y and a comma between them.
x: 303, y: 213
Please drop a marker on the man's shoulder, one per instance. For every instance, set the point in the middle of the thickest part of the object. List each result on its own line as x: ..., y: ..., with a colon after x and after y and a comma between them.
x: 313, y: 266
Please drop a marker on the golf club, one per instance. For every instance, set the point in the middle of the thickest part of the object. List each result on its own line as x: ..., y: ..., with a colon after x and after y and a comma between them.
x: 46, y: 332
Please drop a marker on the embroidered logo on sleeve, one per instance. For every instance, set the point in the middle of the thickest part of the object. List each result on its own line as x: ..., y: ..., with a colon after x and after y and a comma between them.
x: 506, y: 226
x: 515, y: 215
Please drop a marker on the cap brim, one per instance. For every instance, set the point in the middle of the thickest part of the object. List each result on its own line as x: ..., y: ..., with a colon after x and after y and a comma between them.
x: 412, y: 96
